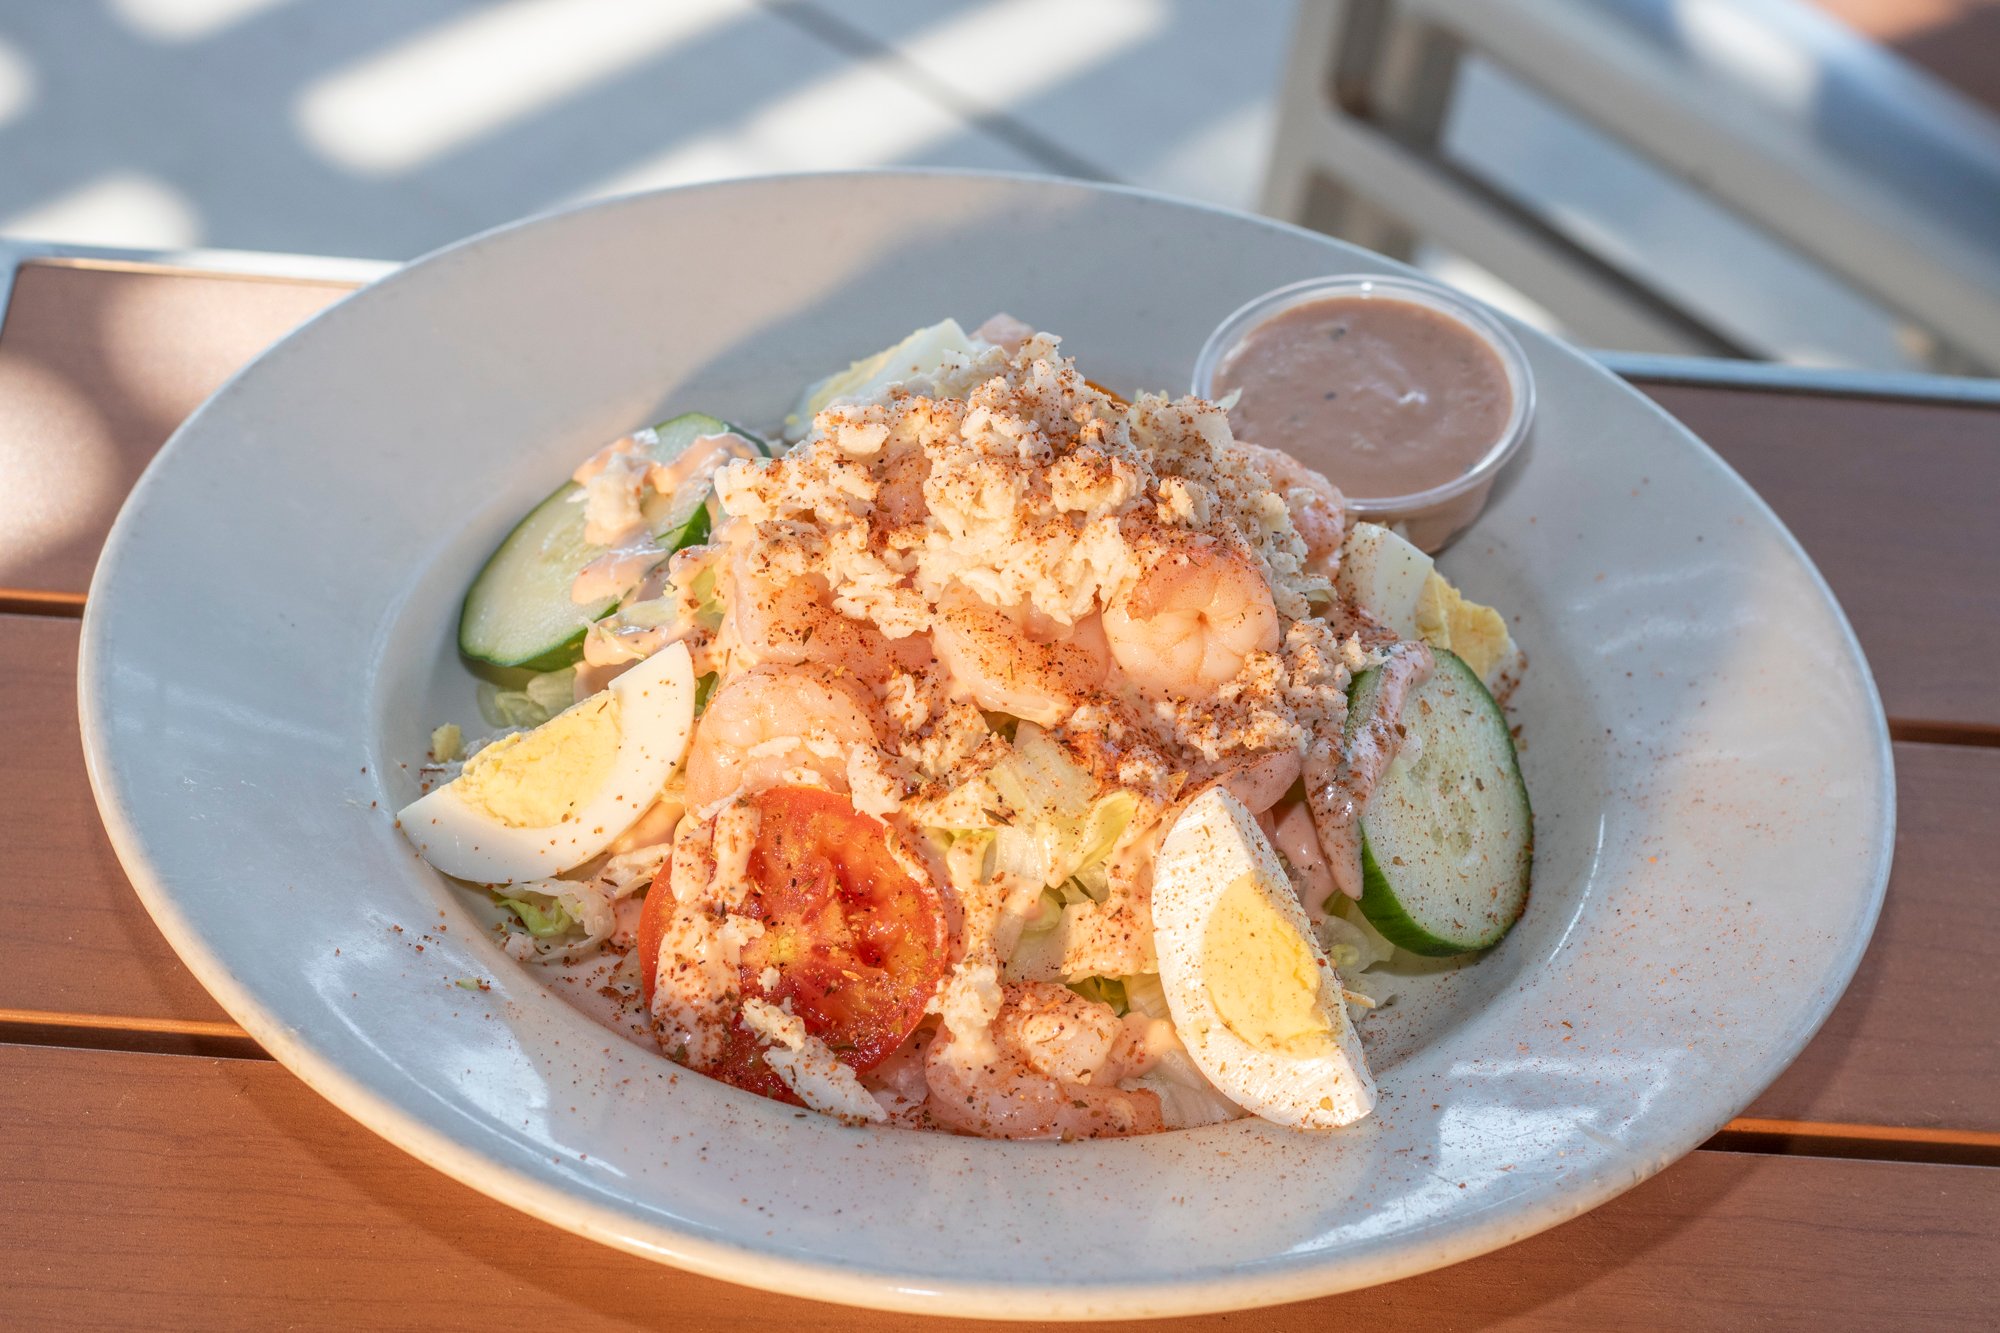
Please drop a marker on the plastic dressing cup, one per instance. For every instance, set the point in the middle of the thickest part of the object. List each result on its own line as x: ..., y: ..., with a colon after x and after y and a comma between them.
x: 1429, y: 515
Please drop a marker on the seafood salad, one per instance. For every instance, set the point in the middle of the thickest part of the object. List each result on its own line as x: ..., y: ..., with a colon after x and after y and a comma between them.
x: 998, y: 756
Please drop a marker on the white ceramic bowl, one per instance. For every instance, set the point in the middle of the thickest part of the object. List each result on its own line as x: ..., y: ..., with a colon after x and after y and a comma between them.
x: 269, y: 639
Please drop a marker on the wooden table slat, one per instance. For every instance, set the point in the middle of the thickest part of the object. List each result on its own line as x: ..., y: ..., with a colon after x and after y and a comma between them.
x: 1912, y: 1043
x: 95, y: 949
x: 97, y: 368
x: 1894, y: 501
x: 241, y: 1199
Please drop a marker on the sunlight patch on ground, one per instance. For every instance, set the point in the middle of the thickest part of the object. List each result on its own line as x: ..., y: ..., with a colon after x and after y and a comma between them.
x: 1750, y: 50
x: 17, y: 83
x: 464, y: 79
x: 186, y: 20
x: 122, y: 208
x: 858, y: 118
x: 866, y: 116
x: 1004, y: 54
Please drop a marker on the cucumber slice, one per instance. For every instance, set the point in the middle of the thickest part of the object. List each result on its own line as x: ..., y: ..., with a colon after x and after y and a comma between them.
x: 1447, y: 838
x: 673, y: 518
x: 517, y: 612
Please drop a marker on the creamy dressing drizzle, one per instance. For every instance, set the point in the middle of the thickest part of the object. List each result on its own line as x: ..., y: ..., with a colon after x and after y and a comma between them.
x: 633, y: 553
x: 605, y: 457
x: 703, y: 458
x: 616, y: 572
x: 1339, y: 780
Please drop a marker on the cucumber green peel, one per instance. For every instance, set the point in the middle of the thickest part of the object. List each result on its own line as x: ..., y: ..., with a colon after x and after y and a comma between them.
x: 1447, y: 838
x: 518, y: 612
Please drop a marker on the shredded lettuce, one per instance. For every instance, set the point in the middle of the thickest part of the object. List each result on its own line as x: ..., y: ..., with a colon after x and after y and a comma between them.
x: 540, y: 699
x: 1045, y: 829
x: 543, y: 916
x: 568, y: 918
x: 1020, y: 855
x: 1187, y: 1098
x: 1039, y: 777
x: 1103, y: 990
x: 972, y: 804
x: 1147, y: 996
x: 1108, y: 820
x: 1038, y: 955
x: 1091, y: 883
x: 553, y: 690
x: 704, y: 686
x: 1046, y: 914
x: 649, y: 614
x: 1352, y: 943
x: 708, y: 606
x: 1060, y: 825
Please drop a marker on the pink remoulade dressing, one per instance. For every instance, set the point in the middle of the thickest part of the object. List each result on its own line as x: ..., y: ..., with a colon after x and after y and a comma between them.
x: 1386, y: 397
x: 1338, y: 787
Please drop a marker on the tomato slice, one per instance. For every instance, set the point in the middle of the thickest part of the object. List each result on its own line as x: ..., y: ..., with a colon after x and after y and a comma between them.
x: 856, y: 943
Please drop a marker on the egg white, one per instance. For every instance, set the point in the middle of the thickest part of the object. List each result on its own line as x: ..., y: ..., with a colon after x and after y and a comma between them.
x: 1214, y: 843
x: 655, y: 717
x: 1384, y: 575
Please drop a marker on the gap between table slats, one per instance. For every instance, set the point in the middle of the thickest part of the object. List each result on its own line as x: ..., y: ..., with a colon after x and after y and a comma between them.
x: 1745, y: 1134
x: 33, y: 602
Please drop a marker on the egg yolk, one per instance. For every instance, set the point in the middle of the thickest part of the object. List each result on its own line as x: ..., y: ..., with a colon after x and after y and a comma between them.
x: 539, y: 778
x: 1262, y: 977
x: 1445, y: 619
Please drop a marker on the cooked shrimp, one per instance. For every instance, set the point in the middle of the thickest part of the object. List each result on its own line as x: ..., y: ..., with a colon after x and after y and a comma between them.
x: 1067, y: 1037
x: 772, y: 721
x: 1318, y: 509
x: 795, y: 622
x: 1014, y: 662
x: 1261, y: 782
x: 1029, y: 1077
x: 1191, y: 620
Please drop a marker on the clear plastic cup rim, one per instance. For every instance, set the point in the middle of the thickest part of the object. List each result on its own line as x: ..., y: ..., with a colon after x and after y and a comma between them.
x: 1230, y: 333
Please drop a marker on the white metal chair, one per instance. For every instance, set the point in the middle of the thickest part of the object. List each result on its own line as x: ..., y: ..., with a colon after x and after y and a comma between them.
x: 1835, y: 147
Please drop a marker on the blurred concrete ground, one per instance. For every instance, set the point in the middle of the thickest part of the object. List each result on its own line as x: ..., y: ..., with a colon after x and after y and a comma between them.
x: 385, y: 128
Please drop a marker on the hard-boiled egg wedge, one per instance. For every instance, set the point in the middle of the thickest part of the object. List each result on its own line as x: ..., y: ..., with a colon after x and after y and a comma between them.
x: 1397, y: 584
x: 539, y: 802
x: 1255, y: 1001
x: 1383, y: 575
x: 1478, y: 634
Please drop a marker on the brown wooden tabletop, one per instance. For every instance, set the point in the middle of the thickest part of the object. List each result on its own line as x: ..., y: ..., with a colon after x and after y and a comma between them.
x: 160, y: 1171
